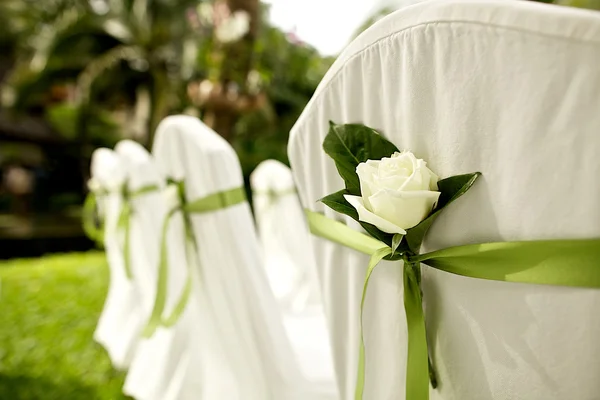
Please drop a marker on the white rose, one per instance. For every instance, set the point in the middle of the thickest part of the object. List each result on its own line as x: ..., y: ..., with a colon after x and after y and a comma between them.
x: 397, y: 192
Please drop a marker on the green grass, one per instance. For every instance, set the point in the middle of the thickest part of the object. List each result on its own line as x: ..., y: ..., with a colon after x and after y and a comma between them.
x: 49, y: 308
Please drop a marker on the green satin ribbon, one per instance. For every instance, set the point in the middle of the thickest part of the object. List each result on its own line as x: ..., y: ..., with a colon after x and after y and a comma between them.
x: 96, y: 233
x: 549, y: 262
x: 213, y: 202
x: 124, y: 221
x: 92, y: 230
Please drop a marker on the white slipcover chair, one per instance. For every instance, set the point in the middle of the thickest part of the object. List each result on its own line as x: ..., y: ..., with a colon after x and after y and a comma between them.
x: 236, y: 347
x: 506, y: 88
x: 284, y: 236
x: 290, y: 267
x: 146, y: 376
x: 117, y: 328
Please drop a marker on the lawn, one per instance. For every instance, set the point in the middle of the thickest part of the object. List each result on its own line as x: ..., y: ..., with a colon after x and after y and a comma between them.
x: 48, y: 312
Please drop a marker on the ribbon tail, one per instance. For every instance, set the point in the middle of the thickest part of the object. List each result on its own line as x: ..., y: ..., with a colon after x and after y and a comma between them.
x: 125, y: 224
x: 160, y: 299
x: 180, y: 306
x: 187, y: 290
x: 360, y: 378
x: 88, y: 219
x: 127, y: 246
x: 417, y: 365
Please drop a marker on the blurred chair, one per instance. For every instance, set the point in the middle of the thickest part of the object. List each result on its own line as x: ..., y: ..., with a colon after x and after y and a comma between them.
x: 508, y: 88
x: 236, y: 345
x: 283, y: 235
x: 119, y: 324
x: 145, y: 375
x: 290, y: 267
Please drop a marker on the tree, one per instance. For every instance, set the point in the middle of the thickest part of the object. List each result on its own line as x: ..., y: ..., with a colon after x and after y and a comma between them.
x: 233, y: 29
x: 89, y: 40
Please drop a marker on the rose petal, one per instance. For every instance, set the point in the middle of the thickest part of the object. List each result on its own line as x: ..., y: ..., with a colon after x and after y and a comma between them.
x: 366, y: 172
x: 398, y: 165
x: 367, y: 216
x: 372, y: 163
x: 393, y: 182
x: 403, y: 209
x: 433, y: 180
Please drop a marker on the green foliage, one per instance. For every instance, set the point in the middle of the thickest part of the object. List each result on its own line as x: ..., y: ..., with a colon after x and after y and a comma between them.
x: 351, y: 144
x: 590, y: 4
x: 102, y: 129
x: 451, y: 189
x: 49, y: 308
x: 290, y: 74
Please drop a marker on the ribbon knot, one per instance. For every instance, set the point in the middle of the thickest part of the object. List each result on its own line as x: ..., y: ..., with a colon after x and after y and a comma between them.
x: 212, y: 202
x: 549, y: 262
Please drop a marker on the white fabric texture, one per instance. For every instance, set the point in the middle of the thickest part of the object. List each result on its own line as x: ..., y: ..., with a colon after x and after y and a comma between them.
x: 284, y: 236
x: 290, y: 267
x: 506, y: 88
x: 117, y: 327
x: 148, y: 213
x: 236, y: 346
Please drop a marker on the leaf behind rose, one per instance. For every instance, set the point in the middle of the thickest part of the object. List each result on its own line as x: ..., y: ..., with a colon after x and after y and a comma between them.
x: 451, y: 189
x: 349, y: 145
x: 337, y: 202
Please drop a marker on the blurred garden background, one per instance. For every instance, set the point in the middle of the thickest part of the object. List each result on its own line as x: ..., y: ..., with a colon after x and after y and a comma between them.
x: 76, y: 75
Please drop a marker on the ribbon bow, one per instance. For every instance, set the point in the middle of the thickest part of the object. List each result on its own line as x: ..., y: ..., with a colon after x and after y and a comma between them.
x: 212, y: 202
x: 547, y: 262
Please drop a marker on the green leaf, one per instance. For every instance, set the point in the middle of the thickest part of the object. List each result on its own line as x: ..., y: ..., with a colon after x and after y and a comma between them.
x: 349, y: 145
x: 337, y: 202
x: 377, y: 234
x: 396, y: 239
x: 451, y: 189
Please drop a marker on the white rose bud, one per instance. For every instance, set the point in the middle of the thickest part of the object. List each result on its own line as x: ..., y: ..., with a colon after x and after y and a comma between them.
x: 397, y: 192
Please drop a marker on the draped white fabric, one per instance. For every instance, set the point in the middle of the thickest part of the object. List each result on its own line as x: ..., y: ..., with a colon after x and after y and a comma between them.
x: 118, y: 326
x: 506, y: 88
x: 235, y: 344
x: 284, y: 236
x: 144, y: 378
x: 290, y: 267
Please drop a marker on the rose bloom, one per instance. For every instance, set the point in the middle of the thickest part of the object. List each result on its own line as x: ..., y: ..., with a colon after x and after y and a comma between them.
x: 398, y: 192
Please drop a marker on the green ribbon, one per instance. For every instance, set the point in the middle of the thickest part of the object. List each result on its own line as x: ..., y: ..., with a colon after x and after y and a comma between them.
x: 549, y: 262
x: 96, y: 232
x: 124, y: 221
x: 93, y: 226
x: 212, y: 202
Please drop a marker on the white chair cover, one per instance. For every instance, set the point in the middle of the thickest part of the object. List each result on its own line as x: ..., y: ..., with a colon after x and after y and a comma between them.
x: 506, y: 88
x: 117, y: 327
x: 236, y: 347
x: 144, y: 377
x: 284, y: 236
x: 290, y: 266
